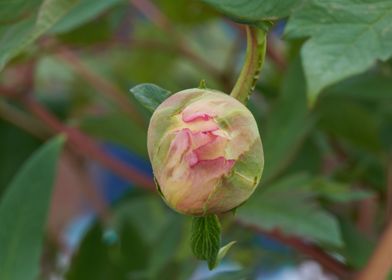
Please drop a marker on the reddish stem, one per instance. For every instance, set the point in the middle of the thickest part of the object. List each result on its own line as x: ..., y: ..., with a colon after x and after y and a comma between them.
x: 313, y: 251
x: 88, y: 147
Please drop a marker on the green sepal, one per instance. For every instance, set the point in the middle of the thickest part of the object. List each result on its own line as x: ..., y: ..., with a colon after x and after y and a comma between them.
x: 206, y: 238
x: 202, y: 84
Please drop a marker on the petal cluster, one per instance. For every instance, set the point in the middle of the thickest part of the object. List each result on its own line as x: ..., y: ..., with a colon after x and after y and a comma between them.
x: 205, y: 151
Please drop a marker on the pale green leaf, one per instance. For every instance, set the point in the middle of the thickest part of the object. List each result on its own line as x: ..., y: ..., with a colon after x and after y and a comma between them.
x: 223, y: 251
x: 346, y: 38
x: 23, y: 213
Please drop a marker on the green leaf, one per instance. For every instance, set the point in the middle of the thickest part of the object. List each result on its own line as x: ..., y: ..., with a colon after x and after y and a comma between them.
x: 18, y: 36
x: 358, y: 248
x: 23, y: 213
x: 205, y: 240
x: 338, y: 192
x: 346, y: 38
x: 254, y: 11
x: 150, y: 95
x: 289, y: 121
x: 15, y: 147
x: 291, y: 207
x: 230, y: 275
x: 81, y: 13
x: 16, y: 10
x: 351, y: 122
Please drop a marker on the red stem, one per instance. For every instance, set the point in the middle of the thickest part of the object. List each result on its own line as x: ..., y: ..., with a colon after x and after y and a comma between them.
x: 88, y: 147
x: 313, y: 251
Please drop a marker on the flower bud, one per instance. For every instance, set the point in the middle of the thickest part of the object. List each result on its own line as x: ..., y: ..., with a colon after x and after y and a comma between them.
x: 205, y: 150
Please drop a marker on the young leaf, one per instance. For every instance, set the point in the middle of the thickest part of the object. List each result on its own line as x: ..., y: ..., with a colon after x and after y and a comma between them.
x: 23, y: 212
x: 347, y: 37
x: 150, y: 95
x: 205, y: 239
x: 254, y: 11
x: 223, y: 251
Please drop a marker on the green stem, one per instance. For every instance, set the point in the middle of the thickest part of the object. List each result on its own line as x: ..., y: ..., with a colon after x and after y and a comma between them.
x: 254, y: 60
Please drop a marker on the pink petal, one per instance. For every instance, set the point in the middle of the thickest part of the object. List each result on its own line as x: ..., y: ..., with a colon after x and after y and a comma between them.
x: 212, y: 149
x: 188, y: 116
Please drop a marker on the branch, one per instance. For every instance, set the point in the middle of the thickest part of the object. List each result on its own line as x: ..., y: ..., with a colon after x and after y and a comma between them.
x: 22, y: 120
x: 313, y: 251
x: 380, y: 263
x: 101, y: 84
x: 150, y: 11
x: 87, y: 147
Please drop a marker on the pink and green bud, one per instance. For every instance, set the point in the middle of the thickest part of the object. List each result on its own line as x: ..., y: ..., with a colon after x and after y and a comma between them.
x: 205, y: 150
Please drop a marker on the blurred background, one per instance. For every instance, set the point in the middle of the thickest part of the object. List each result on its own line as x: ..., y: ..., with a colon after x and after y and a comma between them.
x: 326, y: 190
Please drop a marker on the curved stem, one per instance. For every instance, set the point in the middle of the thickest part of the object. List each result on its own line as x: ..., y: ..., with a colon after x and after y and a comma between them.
x: 254, y: 60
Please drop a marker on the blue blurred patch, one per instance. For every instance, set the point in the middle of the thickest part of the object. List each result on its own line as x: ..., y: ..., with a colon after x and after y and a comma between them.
x: 112, y: 186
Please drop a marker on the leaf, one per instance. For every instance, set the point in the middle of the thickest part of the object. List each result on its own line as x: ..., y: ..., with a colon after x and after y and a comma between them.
x: 289, y: 121
x: 223, y: 251
x: 254, y: 11
x: 150, y: 95
x: 16, y: 37
x: 351, y: 122
x: 81, y: 13
x: 346, y: 38
x: 91, y: 260
x: 358, y: 248
x: 15, y: 148
x: 205, y: 239
x: 23, y: 212
x: 288, y: 205
x: 230, y: 275
x: 16, y: 10
x: 338, y: 192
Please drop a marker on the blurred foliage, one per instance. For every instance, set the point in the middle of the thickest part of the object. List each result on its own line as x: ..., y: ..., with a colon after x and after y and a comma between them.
x: 323, y: 164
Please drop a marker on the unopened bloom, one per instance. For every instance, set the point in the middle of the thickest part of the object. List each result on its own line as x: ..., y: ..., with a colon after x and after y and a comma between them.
x: 205, y: 151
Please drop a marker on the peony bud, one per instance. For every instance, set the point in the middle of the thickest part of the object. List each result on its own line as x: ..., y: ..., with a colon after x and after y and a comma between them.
x: 205, y: 150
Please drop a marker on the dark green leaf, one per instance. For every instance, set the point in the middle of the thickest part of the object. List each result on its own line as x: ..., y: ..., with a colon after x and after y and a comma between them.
x: 23, y: 213
x: 288, y: 124
x: 205, y: 240
x: 347, y: 37
x: 15, y: 147
x: 150, y: 95
x: 254, y: 11
x: 350, y: 121
x: 358, y: 248
x: 230, y: 275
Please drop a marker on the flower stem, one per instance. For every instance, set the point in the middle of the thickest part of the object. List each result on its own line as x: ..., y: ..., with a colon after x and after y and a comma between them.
x: 254, y: 60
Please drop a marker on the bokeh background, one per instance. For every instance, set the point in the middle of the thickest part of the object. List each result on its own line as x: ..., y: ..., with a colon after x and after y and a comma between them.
x: 326, y: 189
